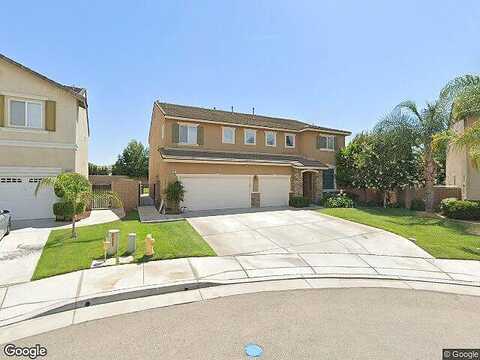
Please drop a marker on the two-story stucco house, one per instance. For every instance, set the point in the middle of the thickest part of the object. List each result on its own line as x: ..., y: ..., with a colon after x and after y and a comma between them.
x: 236, y: 160
x: 43, y: 132
x: 460, y: 171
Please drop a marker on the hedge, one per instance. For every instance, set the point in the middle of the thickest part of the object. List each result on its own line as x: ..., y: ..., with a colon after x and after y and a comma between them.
x: 64, y: 210
x: 460, y: 209
x: 299, y: 201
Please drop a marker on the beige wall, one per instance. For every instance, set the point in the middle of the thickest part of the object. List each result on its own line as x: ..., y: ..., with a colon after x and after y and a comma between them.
x: 18, y: 83
x: 305, y: 142
x: 460, y: 170
x: 128, y: 191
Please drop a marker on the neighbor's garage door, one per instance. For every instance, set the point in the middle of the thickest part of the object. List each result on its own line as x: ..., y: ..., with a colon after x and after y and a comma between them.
x: 274, y: 190
x: 17, y: 194
x: 205, y: 192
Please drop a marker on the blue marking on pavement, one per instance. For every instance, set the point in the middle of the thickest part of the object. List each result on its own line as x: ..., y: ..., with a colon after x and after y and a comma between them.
x: 253, y: 350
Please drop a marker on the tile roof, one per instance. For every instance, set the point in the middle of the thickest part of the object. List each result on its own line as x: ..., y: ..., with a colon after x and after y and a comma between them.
x: 177, y: 153
x: 198, y: 113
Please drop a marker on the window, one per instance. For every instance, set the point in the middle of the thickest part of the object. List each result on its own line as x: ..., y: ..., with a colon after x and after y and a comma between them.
x: 228, y: 135
x: 187, y: 134
x: 250, y: 137
x: 326, y: 142
x: 270, y: 138
x: 329, y: 179
x: 26, y: 114
x: 289, y: 140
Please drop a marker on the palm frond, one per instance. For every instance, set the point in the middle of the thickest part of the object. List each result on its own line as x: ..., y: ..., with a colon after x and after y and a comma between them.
x: 459, y: 84
x: 410, y: 106
x: 107, y: 196
x: 45, y: 183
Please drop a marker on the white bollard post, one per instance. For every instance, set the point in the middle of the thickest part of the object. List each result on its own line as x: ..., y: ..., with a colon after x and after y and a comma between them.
x: 132, y: 243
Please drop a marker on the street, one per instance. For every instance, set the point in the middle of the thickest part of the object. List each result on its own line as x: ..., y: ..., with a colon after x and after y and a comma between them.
x: 347, y: 323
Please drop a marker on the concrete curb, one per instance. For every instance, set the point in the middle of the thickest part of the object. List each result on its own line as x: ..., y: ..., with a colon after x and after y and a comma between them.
x: 62, y: 314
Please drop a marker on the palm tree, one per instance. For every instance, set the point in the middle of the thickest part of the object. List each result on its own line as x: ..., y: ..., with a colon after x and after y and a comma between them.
x: 463, y: 93
x: 76, y: 189
x: 422, y: 125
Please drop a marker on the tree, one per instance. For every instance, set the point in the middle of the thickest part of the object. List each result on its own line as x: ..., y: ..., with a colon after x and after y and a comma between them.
x: 379, y: 160
x: 133, y: 161
x: 75, y: 189
x: 464, y: 95
x: 423, y: 125
x: 175, y: 193
x: 97, y: 169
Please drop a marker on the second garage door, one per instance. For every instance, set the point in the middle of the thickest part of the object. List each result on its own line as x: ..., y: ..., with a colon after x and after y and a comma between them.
x: 274, y: 190
x: 204, y: 192
x: 17, y: 194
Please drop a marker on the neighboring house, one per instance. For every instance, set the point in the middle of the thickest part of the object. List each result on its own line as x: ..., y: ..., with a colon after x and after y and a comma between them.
x: 460, y: 170
x: 43, y: 132
x: 236, y: 160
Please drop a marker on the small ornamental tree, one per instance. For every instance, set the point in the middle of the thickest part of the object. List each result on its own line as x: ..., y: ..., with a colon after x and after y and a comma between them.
x: 75, y: 190
x: 379, y: 160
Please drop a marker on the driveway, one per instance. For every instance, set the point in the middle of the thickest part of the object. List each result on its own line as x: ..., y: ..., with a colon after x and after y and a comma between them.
x: 298, y: 231
x: 22, y: 248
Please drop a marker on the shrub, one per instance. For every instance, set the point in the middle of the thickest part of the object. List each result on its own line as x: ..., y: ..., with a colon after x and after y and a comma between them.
x: 63, y: 210
x: 339, y: 201
x: 174, y: 194
x: 417, y: 205
x: 460, y: 209
x: 299, y: 201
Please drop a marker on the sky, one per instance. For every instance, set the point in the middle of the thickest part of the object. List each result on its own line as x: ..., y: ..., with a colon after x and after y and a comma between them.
x: 341, y: 64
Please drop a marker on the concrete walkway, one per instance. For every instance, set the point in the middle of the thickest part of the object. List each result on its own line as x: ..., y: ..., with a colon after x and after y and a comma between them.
x: 21, y: 249
x: 229, y: 275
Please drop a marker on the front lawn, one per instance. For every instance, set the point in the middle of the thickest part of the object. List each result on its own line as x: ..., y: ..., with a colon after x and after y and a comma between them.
x: 441, y: 238
x: 62, y: 254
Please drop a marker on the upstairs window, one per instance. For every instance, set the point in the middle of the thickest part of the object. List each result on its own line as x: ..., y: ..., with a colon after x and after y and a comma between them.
x: 250, y: 137
x: 228, y: 135
x: 27, y: 114
x: 289, y: 140
x: 326, y: 142
x: 270, y: 138
x: 187, y: 134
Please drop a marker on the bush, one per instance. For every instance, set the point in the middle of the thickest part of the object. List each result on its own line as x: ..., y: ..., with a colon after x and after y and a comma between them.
x: 417, y: 205
x: 175, y: 193
x: 64, y: 210
x: 460, y: 209
x: 299, y: 201
x: 338, y: 201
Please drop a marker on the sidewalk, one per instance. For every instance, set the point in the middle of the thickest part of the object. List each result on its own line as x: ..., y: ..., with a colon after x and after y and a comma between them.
x: 205, y: 275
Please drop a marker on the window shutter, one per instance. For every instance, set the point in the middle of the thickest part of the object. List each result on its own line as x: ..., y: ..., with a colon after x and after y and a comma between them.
x: 50, y: 115
x: 200, y: 135
x: 318, y: 142
x: 334, y: 143
x: 2, y: 110
x: 175, y: 133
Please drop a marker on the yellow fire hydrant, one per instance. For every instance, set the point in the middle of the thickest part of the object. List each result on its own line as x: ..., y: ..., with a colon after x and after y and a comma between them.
x: 149, y: 241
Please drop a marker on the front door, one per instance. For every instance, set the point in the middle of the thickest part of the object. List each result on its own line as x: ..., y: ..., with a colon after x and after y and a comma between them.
x: 308, y: 185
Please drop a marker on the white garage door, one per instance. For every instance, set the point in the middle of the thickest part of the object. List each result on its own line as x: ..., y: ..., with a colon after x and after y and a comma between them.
x: 17, y: 194
x: 204, y: 192
x: 274, y: 190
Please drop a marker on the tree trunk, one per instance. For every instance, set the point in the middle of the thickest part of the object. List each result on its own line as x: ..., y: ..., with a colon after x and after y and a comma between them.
x: 430, y: 172
x: 385, y: 196
x: 74, y: 230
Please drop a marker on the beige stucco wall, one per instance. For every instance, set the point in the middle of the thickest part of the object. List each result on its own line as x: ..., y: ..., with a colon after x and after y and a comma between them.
x: 473, y: 174
x: 460, y: 170
x: 305, y: 142
x: 18, y: 83
x: 81, y: 158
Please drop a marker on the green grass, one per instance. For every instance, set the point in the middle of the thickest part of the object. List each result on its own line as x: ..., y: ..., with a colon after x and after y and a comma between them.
x: 441, y: 238
x: 63, y: 254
